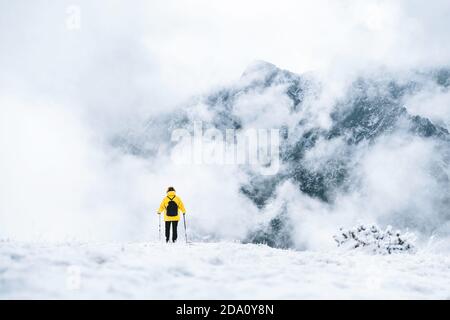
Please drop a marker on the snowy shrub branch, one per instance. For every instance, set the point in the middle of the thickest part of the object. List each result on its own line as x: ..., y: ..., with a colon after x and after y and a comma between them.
x: 375, y: 240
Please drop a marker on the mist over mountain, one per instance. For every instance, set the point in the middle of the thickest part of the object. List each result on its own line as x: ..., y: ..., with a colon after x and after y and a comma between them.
x: 334, y: 144
x: 360, y: 154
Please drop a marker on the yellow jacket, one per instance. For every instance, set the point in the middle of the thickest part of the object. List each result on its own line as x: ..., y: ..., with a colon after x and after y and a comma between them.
x: 165, y: 202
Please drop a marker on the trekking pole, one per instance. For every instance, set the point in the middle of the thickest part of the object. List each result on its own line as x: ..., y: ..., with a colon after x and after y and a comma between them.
x: 159, y: 229
x: 185, y: 233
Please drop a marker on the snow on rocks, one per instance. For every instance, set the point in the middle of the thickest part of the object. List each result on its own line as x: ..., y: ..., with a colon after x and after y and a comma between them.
x: 375, y: 240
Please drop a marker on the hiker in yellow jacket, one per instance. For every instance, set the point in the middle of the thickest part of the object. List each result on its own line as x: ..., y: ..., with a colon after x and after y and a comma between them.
x: 171, y: 205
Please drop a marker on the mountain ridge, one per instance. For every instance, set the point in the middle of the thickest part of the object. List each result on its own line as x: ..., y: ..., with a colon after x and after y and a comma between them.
x: 370, y: 108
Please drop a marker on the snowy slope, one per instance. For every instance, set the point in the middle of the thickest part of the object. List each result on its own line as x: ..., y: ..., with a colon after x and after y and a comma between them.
x: 214, y: 271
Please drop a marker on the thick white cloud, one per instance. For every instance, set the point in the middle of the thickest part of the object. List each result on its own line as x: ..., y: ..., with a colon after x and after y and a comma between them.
x: 64, y: 91
x: 163, y: 50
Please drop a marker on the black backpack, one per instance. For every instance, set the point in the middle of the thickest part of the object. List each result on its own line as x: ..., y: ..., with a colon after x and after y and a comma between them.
x: 172, y: 208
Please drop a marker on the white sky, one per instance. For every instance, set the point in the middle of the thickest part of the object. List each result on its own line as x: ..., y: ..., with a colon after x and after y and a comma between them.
x: 130, y: 53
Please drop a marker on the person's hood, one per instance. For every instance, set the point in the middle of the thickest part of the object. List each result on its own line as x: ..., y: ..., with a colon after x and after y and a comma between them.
x: 171, y: 193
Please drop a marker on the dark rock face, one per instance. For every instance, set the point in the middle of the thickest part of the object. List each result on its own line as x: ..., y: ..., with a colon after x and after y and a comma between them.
x: 276, y: 234
x: 376, y: 108
x: 370, y: 108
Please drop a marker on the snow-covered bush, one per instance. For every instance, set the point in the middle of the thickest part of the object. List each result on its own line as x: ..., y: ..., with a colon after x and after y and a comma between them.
x: 375, y: 240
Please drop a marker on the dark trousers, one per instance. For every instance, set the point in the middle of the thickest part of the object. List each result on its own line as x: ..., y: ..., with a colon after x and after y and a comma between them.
x: 174, y: 230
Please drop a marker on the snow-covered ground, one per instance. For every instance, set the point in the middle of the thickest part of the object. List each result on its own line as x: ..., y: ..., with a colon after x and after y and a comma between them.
x: 215, y: 271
